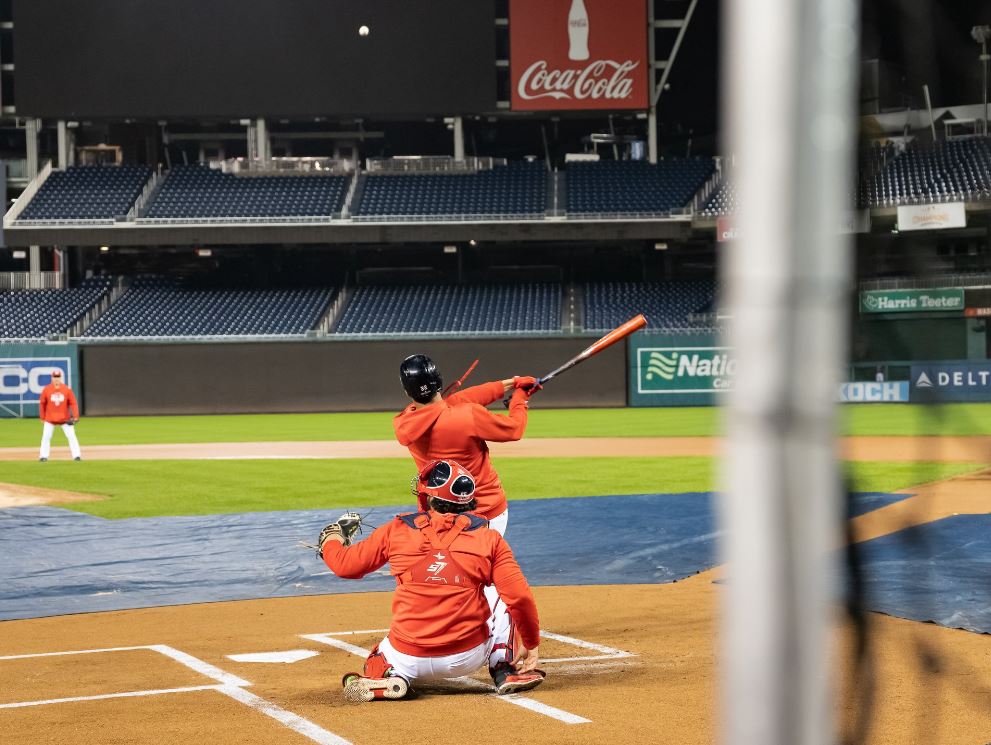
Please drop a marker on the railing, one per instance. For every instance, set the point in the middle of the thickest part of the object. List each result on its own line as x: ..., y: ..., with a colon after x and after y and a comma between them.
x: 465, y: 217
x: 142, y: 199
x: 89, y: 317
x: 349, y: 199
x: 287, y: 166
x: 30, y: 281
x: 27, y: 195
x: 430, y: 164
x: 928, y: 283
x: 707, y: 189
x: 328, y: 321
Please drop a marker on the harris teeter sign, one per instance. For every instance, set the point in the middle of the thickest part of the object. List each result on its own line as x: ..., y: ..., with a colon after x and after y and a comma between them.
x: 912, y: 301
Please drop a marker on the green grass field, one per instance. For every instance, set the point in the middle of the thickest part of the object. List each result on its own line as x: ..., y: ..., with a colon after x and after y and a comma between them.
x: 859, y: 419
x: 152, y: 488
x: 157, y: 487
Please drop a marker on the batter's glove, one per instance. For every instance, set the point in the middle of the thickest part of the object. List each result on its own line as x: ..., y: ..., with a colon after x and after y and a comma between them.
x: 343, y: 528
x: 529, y: 384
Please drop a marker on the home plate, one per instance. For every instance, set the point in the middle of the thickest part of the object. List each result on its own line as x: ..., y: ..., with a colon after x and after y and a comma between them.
x: 293, y: 655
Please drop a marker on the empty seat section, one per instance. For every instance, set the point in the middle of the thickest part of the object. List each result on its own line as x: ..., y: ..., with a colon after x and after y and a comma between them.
x: 87, y: 193
x: 952, y: 170
x: 529, y: 308
x: 635, y: 186
x: 198, y: 192
x: 723, y: 201
x: 667, y: 305
x: 35, y: 314
x: 158, y: 308
x: 514, y: 190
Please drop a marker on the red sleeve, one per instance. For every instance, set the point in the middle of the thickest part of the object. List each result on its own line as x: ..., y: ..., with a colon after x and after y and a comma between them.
x: 72, y: 403
x: 43, y: 403
x: 515, y: 593
x: 484, y: 394
x: 499, y: 428
x: 357, y: 560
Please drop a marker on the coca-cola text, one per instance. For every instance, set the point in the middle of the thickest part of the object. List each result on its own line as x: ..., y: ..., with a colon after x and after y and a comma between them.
x: 602, y: 79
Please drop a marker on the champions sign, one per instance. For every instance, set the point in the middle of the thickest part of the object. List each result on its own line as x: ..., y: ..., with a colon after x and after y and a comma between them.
x: 578, y: 54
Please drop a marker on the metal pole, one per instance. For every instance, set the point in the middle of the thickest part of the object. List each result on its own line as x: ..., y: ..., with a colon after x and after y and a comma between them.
x: 651, y: 85
x: 63, y: 144
x: 459, y: 138
x: 787, y: 280
x: 984, y: 58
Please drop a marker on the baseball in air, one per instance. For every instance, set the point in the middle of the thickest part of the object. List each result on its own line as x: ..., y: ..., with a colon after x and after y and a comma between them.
x: 363, y: 31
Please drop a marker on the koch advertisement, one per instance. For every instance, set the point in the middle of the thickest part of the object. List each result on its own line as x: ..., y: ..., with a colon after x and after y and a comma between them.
x: 25, y: 369
x: 951, y: 381
x: 578, y: 54
x: 679, y: 370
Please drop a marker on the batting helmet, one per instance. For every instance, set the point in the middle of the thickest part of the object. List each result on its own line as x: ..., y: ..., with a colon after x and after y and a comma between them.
x: 420, y: 378
x: 448, y: 485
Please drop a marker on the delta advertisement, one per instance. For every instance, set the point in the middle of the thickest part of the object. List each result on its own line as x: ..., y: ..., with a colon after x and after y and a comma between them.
x: 578, y: 54
x: 25, y: 369
x: 935, y: 382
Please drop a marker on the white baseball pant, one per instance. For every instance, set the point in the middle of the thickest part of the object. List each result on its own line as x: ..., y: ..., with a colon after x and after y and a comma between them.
x: 499, y: 523
x: 454, y: 665
x: 70, y: 435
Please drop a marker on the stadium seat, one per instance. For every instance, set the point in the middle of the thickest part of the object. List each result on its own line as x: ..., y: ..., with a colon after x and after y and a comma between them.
x: 667, y: 305
x: 197, y: 192
x: 635, y: 187
x: 529, y: 308
x: 36, y: 314
x: 517, y: 190
x: 87, y: 193
x: 156, y: 307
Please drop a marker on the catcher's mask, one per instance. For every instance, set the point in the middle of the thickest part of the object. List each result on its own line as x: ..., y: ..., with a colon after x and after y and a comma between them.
x: 420, y: 378
x: 448, y: 482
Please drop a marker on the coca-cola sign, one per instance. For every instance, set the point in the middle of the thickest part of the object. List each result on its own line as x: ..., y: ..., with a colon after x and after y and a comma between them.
x: 578, y: 54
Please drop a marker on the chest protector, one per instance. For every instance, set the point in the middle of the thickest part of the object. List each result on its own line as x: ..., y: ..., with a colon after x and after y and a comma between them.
x: 439, y: 568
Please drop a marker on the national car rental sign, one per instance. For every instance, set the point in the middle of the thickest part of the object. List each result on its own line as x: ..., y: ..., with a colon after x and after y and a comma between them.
x: 578, y: 54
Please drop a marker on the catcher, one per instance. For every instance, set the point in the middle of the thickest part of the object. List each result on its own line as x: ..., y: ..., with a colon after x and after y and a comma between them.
x: 457, y: 427
x: 441, y: 624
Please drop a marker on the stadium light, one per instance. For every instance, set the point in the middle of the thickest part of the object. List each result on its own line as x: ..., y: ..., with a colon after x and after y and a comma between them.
x: 472, y: 242
x: 450, y: 249
x: 104, y: 249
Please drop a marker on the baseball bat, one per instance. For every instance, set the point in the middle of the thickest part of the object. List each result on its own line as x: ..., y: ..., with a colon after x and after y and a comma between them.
x: 618, y: 333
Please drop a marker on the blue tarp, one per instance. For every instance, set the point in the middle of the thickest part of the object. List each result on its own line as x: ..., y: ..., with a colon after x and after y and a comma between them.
x: 56, y: 561
x: 939, y: 572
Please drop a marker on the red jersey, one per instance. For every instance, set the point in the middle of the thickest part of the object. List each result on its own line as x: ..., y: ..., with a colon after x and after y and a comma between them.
x: 55, y: 403
x: 441, y: 564
x: 457, y: 429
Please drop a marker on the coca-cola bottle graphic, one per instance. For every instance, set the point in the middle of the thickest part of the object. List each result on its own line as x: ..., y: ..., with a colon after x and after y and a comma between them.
x: 578, y: 31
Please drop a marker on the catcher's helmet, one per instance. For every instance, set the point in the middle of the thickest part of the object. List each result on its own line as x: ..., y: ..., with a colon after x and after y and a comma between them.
x: 420, y: 378
x: 448, y: 484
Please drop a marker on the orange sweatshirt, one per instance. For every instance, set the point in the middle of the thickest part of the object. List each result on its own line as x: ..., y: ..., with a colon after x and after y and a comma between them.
x: 55, y: 403
x: 439, y: 607
x: 457, y: 429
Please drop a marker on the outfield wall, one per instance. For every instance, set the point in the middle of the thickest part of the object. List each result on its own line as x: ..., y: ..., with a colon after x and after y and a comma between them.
x: 262, y: 377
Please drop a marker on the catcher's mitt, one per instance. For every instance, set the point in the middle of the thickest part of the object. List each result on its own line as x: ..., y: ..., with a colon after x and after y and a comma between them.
x: 344, y: 527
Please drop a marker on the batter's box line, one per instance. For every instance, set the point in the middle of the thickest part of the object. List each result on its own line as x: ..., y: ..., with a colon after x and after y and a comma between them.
x: 226, y: 683
x: 606, y: 653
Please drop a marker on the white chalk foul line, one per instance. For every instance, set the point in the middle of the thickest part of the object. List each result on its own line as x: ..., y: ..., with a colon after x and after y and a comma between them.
x: 229, y: 685
x: 607, y: 653
x: 516, y: 699
x: 286, y: 718
x: 125, y: 694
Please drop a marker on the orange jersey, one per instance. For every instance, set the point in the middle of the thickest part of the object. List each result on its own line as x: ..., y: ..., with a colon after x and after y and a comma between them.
x: 457, y: 429
x: 439, y: 607
x: 55, y: 404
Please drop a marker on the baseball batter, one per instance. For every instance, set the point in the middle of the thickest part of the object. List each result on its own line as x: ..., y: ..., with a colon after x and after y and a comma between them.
x: 57, y: 406
x: 441, y: 623
x: 457, y: 428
